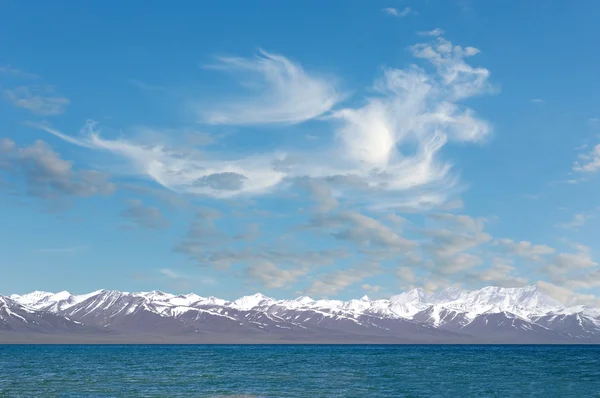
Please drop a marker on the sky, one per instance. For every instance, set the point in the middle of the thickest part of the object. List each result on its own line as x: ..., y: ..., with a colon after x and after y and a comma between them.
x: 330, y: 149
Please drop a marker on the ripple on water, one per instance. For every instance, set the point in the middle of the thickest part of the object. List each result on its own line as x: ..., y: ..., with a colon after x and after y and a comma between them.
x: 299, y: 371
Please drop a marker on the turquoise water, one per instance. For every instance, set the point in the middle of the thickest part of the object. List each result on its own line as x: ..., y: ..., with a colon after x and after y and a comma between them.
x: 299, y: 371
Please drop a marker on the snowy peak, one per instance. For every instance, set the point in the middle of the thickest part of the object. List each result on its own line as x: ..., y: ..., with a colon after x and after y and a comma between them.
x: 44, y: 300
x: 524, y: 302
x: 491, y: 314
x: 413, y: 296
x: 446, y: 295
x: 156, y: 295
x: 249, y: 302
x: 304, y: 300
x: 504, y: 299
x: 31, y: 298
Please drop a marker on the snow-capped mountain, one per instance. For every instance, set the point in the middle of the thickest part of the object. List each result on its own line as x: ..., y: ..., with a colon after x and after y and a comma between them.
x: 19, y: 318
x: 491, y: 314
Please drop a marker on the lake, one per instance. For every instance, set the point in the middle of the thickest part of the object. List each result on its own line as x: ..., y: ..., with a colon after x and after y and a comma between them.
x: 298, y: 371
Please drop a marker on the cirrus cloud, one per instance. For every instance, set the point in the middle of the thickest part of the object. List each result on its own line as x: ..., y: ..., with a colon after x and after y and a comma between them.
x: 285, y: 93
x: 385, y: 152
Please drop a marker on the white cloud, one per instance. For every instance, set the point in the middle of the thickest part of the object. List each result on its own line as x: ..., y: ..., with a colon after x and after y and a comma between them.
x: 588, y: 162
x: 563, y: 264
x: 143, y: 216
x: 455, y: 204
x: 396, y: 220
x: 181, y: 281
x: 583, y: 280
x: 406, y: 274
x: 500, y: 273
x: 566, y: 295
x: 322, y: 193
x: 386, y: 153
x: 285, y: 93
x: 407, y: 11
x: 363, y: 231
x: 577, y: 222
x: 48, y: 176
x: 537, y: 100
x: 372, y: 288
x: 395, y: 12
x: 367, y: 230
x: 39, y: 100
x: 391, y: 11
x: 525, y: 249
x: 458, y: 262
x: 434, y: 33
x: 9, y: 70
x: 170, y: 273
x: 164, y: 196
x: 144, y: 86
x: 186, y: 172
x: 331, y: 284
x: 458, y: 77
x: 251, y: 232
x: 451, y: 243
x: 273, y: 277
x: 462, y: 221
x: 567, y: 274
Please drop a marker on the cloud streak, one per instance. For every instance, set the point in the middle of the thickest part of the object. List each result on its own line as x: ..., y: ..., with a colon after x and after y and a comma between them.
x: 143, y: 216
x: 588, y: 162
x: 386, y: 150
x: 283, y: 93
x: 578, y: 221
x: 39, y: 100
x: 46, y: 175
x: 398, y: 13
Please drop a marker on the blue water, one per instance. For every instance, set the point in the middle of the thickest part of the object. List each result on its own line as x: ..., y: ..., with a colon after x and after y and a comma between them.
x: 299, y: 371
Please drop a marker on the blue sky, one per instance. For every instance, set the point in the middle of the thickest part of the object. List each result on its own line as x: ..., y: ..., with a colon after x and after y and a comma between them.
x: 330, y: 149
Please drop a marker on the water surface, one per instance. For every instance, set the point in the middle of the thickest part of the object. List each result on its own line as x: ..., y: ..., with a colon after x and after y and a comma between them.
x: 298, y: 371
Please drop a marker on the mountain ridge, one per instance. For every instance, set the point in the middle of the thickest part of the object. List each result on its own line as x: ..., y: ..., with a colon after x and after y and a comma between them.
x: 491, y: 314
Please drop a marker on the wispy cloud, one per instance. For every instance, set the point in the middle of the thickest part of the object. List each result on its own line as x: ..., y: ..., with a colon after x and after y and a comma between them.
x: 390, y: 10
x: 588, y: 162
x: 9, y: 70
x: 398, y: 13
x: 566, y: 274
x: 46, y: 175
x: 577, y: 222
x: 143, y: 216
x: 164, y: 196
x: 184, y: 281
x: 144, y: 86
x: 331, y: 284
x: 283, y: 93
x: 525, y: 249
x: 39, y: 100
x: 452, y: 243
x: 537, y: 100
x: 385, y: 151
x: 433, y: 33
x: 321, y: 192
x: 169, y: 273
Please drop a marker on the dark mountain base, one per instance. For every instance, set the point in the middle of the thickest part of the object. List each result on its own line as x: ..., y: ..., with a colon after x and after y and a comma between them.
x: 41, y: 338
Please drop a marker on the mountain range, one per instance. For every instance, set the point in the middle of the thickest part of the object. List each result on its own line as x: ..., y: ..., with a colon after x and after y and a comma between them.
x: 488, y: 315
